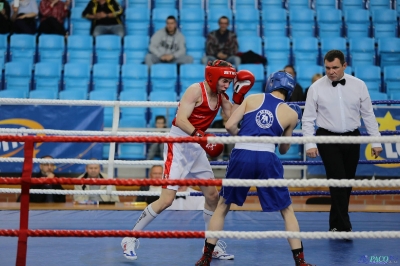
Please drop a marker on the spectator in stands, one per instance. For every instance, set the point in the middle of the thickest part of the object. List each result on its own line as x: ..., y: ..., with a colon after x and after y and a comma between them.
x: 298, y: 94
x: 24, y: 16
x: 52, y: 16
x: 156, y: 150
x: 168, y: 45
x: 46, y: 171
x: 156, y: 172
x: 94, y: 171
x: 222, y: 44
x: 313, y: 79
x: 105, y: 16
x: 5, y: 17
x: 224, y: 156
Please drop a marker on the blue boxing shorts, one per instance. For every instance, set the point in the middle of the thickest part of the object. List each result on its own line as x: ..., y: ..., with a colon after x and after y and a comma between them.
x: 249, y: 164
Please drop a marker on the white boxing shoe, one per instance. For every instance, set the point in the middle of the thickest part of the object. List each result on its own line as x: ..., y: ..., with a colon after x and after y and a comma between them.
x: 129, y: 244
x: 219, y: 252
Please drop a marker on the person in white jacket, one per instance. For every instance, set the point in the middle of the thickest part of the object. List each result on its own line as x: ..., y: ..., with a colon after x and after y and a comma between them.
x: 168, y: 45
x: 94, y: 171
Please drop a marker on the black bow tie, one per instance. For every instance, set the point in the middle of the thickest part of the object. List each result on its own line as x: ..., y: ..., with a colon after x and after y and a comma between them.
x: 335, y: 83
x: 182, y: 197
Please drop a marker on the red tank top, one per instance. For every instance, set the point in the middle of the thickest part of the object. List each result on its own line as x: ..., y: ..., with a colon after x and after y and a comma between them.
x: 202, y: 115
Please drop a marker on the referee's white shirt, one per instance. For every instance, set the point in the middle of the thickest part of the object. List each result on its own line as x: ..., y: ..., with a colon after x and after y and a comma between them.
x: 338, y: 109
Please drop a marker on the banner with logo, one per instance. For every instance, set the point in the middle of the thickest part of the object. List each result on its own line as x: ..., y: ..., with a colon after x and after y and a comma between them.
x: 51, y: 117
x: 388, y: 119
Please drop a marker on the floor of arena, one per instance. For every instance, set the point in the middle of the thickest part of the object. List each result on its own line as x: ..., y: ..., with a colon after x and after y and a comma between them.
x: 107, y: 251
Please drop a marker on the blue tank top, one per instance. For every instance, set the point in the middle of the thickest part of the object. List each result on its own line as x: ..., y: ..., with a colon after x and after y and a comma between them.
x: 263, y: 121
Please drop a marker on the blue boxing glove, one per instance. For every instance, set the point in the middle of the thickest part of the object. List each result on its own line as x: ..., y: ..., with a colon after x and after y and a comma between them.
x: 297, y: 109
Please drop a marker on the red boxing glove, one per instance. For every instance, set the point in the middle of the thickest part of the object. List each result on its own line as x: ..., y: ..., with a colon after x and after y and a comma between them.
x: 197, y: 133
x: 212, y: 149
x: 243, y: 82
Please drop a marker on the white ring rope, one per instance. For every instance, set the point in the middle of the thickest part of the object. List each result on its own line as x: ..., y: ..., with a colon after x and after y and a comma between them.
x: 5, y: 101
x: 302, y: 235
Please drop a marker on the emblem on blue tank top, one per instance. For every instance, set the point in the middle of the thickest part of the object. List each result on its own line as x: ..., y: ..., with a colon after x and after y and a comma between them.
x: 264, y: 119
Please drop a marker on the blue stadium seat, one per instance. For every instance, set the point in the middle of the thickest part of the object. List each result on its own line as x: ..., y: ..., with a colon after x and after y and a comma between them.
x: 135, y: 49
x: 332, y: 43
x: 73, y: 95
x: 135, y: 78
x: 239, y: 4
x: 357, y: 23
x: 274, y: 22
x: 80, y: 49
x: 23, y: 48
x: 133, y: 116
x: 362, y: 51
x: 305, y: 72
x: 132, y: 151
x: 384, y: 23
x: 12, y: 94
x: 371, y: 75
x: 267, y: 4
x: 247, y: 22
x: 132, y: 121
x: 189, y: 74
x: 258, y: 71
x: 164, y: 3
x: 106, y: 77
x: 391, y: 79
x: 305, y: 50
x: 163, y: 77
x: 348, y: 70
x: 196, y: 47
x: 105, y: 95
x: 137, y: 21
x: 389, y: 51
x: 79, y: 3
x: 395, y: 96
x: 397, y: 6
x: 77, y: 77
x: 108, y: 49
x: 51, y: 48
x: 329, y: 4
x: 3, y: 50
x: 214, y: 14
x: 273, y: 68
x: 277, y: 50
x: 378, y: 96
x: 45, y: 94
x: 47, y: 76
x: 138, y: 3
x: 294, y: 153
x: 378, y: 4
x: 79, y: 25
x: 160, y: 15
x: 191, y: 4
x: 129, y: 96
x: 18, y: 76
x: 302, y: 23
x: 297, y: 4
x: 352, y: 4
x: 250, y: 43
x: 329, y: 22
x: 222, y: 4
x: 192, y: 22
x: 163, y: 96
x: 106, y: 151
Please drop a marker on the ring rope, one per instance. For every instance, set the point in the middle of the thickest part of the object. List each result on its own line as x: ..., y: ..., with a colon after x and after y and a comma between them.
x: 211, y: 182
x: 192, y: 194
x: 224, y: 140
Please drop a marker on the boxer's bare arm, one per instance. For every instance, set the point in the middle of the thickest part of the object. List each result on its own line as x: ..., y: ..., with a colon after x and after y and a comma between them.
x: 189, y: 100
x: 233, y: 122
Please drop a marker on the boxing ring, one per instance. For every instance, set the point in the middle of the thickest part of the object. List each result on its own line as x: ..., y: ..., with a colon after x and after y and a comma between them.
x: 176, y: 237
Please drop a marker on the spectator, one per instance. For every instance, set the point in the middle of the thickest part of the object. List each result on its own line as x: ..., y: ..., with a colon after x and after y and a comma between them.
x: 52, y: 16
x: 313, y: 79
x: 297, y: 95
x: 222, y: 44
x: 24, y: 16
x: 94, y: 171
x: 224, y: 156
x: 156, y: 172
x: 156, y: 150
x: 105, y: 16
x: 5, y: 19
x: 46, y: 171
x: 168, y: 45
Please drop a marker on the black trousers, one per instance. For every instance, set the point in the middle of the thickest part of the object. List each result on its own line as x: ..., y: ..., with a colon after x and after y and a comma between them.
x: 51, y: 26
x: 340, y: 162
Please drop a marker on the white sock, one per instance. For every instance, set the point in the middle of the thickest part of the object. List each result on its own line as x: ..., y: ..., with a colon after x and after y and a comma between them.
x: 147, y: 216
x: 207, y: 217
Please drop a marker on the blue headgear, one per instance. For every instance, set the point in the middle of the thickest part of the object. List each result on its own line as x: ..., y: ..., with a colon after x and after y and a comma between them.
x: 281, y: 80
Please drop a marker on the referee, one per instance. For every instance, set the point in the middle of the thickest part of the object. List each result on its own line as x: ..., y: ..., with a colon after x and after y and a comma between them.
x: 336, y: 102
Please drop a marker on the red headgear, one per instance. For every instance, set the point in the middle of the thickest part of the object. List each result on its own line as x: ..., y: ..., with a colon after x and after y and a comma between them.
x: 215, y: 72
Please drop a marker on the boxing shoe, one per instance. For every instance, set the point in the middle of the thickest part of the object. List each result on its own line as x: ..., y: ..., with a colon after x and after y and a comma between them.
x: 129, y: 244
x: 205, y: 260
x: 300, y: 261
x: 220, y: 252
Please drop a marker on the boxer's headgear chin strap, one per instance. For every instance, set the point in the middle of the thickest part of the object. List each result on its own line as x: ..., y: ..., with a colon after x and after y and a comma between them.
x: 214, y: 72
x: 281, y: 80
